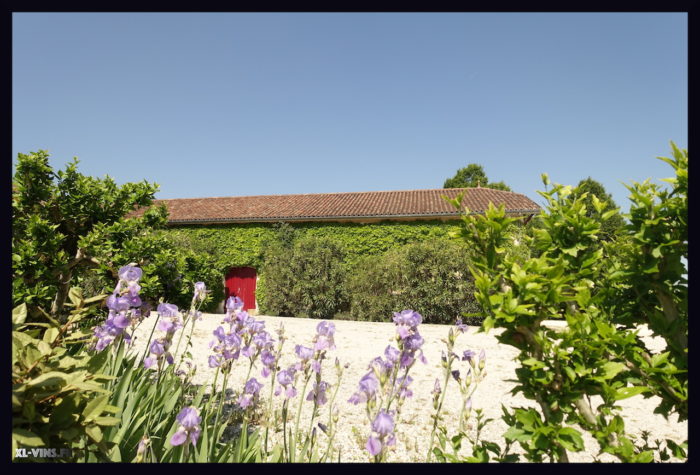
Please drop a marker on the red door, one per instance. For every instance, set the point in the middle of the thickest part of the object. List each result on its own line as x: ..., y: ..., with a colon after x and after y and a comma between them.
x: 240, y: 282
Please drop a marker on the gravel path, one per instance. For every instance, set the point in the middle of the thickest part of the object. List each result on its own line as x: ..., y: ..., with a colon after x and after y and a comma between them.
x: 359, y: 342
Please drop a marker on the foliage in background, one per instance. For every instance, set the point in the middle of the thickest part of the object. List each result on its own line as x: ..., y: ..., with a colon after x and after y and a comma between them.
x: 587, y: 280
x: 431, y: 277
x: 56, y: 216
x: 609, y: 228
x: 304, y: 276
x: 471, y: 176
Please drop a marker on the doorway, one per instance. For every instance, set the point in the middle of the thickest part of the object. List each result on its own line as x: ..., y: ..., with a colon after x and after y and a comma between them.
x: 240, y: 282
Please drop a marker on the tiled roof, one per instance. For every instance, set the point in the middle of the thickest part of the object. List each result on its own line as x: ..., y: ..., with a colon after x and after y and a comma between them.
x: 324, y: 206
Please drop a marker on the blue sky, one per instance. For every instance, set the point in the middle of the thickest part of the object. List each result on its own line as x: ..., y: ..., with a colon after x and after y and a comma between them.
x: 225, y: 104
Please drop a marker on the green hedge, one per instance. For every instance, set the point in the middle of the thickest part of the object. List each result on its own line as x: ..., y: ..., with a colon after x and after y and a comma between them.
x: 431, y: 277
x: 304, y: 278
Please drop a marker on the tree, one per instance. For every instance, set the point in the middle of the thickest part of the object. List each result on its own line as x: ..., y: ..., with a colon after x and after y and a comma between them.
x: 58, y: 218
x: 609, y: 228
x: 471, y: 176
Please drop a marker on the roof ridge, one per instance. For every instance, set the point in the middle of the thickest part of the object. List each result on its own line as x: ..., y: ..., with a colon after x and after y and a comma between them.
x: 342, y: 193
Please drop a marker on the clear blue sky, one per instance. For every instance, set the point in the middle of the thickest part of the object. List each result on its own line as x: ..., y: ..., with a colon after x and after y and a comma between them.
x: 224, y: 104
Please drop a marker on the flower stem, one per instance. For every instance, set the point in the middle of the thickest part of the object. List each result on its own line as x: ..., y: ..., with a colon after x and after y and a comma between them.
x: 218, y: 412
x: 148, y: 343
x: 301, y: 403
x: 439, y: 407
x: 269, y: 405
x: 284, y: 429
x: 213, y: 391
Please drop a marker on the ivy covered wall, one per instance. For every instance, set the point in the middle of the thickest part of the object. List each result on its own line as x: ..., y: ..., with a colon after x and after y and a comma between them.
x: 234, y: 245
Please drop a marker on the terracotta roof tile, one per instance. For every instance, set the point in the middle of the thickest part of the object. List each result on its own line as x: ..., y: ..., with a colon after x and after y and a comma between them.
x: 370, y: 204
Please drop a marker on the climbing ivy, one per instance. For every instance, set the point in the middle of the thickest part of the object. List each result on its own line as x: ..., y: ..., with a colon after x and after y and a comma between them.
x: 237, y: 245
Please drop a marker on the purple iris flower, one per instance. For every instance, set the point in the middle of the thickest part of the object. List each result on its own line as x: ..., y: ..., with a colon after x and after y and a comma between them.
x: 392, y: 354
x: 169, y: 325
x: 189, y: 417
x: 130, y: 273
x: 167, y: 310
x: 102, y: 343
x: 268, y: 358
x: 373, y: 446
x: 402, y: 384
x: 324, y: 336
x: 318, y: 393
x: 214, y: 361
x: 189, y: 426
x: 406, y: 359
x: 243, y: 318
x: 263, y: 339
x: 380, y: 367
x: 286, y: 379
x: 200, y: 291
x: 118, y: 304
x: 383, y: 424
x: 233, y: 304
x: 250, y: 391
x: 157, y: 347
x: 232, y: 340
x: 255, y: 326
x: 252, y: 386
x: 303, y: 352
x: 414, y: 341
x: 369, y: 384
x: 367, y: 389
x: 436, y: 387
x: 134, y: 290
x: 325, y: 328
x: 468, y: 355
x: 219, y: 333
x: 245, y: 400
x: 120, y: 320
x: 189, y: 429
x: 461, y: 326
x: 408, y: 318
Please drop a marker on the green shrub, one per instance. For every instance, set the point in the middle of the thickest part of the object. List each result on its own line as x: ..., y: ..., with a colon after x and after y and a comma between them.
x: 58, y: 218
x: 430, y: 277
x: 604, y: 288
x: 304, y: 277
x: 59, y: 399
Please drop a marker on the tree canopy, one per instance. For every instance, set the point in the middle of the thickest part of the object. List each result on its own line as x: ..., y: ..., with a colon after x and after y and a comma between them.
x: 57, y: 217
x: 471, y: 176
x: 611, y: 227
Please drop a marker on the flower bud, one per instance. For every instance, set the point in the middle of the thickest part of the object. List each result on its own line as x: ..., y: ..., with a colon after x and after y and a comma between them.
x: 467, y: 408
x: 482, y: 359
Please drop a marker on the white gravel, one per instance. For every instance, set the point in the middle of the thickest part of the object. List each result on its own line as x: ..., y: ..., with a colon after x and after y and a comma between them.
x: 359, y: 342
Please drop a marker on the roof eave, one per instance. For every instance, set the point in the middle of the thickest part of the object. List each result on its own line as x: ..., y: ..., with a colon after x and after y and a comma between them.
x: 334, y: 218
